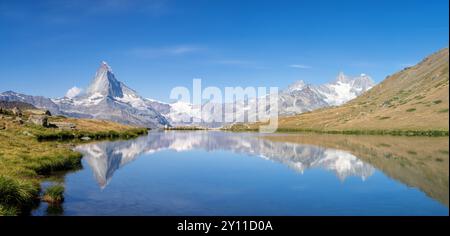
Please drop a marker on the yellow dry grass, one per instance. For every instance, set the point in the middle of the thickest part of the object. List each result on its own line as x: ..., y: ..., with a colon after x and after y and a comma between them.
x: 92, y: 125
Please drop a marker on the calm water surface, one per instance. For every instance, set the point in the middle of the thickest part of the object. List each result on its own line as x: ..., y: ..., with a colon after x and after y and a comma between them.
x: 218, y: 173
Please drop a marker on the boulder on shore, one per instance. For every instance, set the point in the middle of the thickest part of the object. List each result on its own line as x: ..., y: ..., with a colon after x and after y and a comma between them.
x: 40, y: 120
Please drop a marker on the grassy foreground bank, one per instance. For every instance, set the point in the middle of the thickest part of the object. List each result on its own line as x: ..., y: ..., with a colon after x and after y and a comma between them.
x: 25, y: 159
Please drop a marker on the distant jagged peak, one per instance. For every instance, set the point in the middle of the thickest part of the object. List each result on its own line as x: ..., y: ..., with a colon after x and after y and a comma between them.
x: 296, y: 86
x: 342, y: 78
x: 361, y: 82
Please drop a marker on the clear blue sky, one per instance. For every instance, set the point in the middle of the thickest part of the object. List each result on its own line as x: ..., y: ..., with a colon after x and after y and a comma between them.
x: 46, y: 47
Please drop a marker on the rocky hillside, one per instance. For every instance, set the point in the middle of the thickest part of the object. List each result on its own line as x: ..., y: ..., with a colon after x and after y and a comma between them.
x: 37, y: 101
x: 12, y: 104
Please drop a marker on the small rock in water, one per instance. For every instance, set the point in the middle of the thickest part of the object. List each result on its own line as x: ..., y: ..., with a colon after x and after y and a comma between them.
x: 85, y: 138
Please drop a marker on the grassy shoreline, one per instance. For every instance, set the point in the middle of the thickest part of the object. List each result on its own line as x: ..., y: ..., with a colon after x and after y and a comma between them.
x: 241, y: 128
x: 29, y: 154
x: 429, y: 133
x: 99, y: 135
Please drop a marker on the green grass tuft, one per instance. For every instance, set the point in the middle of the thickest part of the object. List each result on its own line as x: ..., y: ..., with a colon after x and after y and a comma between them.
x: 54, y: 194
x: 16, y: 195
x: 8, y: 211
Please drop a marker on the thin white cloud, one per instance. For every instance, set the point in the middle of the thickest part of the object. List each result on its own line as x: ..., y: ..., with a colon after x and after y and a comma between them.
x: 107, y: 6
x: 234, y: 62
x: 165, y: 51
x: 182, y: 50
x: 62, y: 12
x: 300, y: 66
x: 240, y: 63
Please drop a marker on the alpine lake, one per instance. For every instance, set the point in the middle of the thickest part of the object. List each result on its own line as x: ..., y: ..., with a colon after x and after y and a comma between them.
x: 230, y: 173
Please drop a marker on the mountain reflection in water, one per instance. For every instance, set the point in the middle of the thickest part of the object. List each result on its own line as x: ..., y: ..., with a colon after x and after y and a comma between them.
x: 107, y: 157
x: 419, y: 162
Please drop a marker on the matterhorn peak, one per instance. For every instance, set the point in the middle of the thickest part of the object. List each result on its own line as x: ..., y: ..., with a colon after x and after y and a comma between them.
x: 105, y: 65
x: 105, y: 83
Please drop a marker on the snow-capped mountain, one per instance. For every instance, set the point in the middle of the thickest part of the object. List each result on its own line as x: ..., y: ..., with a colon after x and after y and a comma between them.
x: 344, y: 89
x: 178, y: 113
x: 105, y: 98
x: 300, y: 97
x: 109, y: 99
x: 297, y: 98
